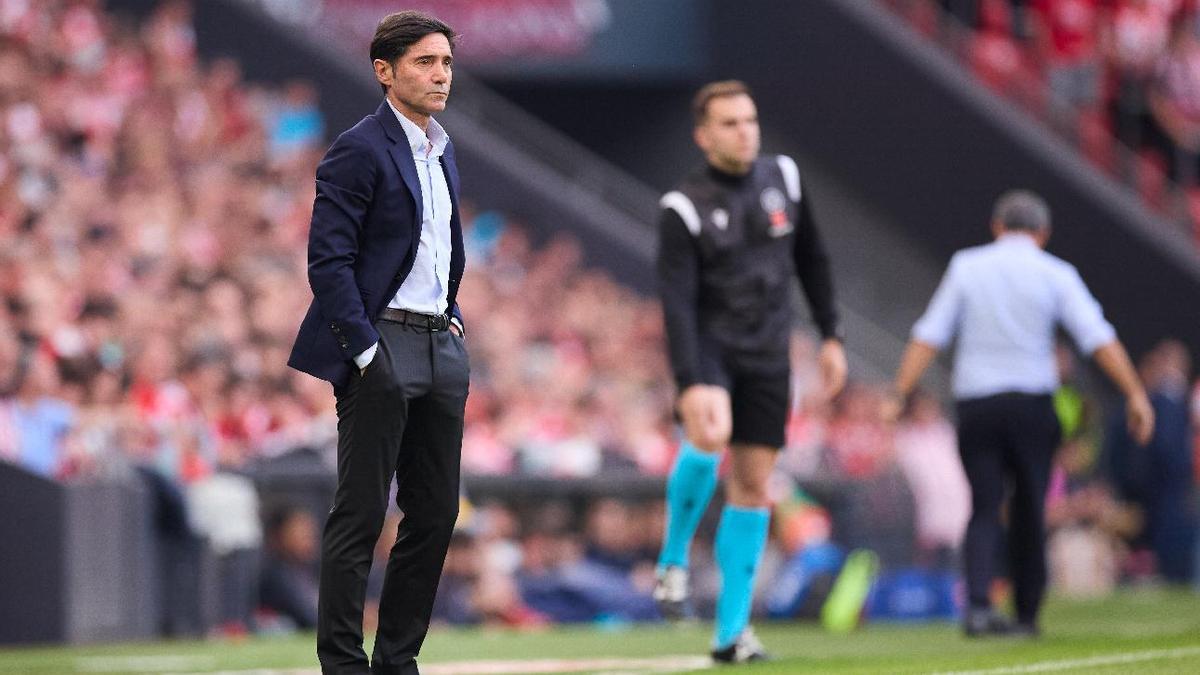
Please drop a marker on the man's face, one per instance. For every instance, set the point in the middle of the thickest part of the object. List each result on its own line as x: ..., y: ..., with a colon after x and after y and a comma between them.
x: 419, y: 83
x: 729, y: 134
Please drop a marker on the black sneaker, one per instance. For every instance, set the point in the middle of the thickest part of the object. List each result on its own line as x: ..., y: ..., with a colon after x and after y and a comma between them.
x: 671, y: 592
x: 985, y: 622
x: 1026, y: 630
x: 745, y: 649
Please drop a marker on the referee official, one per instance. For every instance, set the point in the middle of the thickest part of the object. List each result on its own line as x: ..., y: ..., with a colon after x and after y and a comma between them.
x: 733, y: 239
x: 1003, y: 301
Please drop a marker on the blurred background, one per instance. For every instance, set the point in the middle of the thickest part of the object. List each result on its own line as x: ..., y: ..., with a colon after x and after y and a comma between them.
x: 163, y: 473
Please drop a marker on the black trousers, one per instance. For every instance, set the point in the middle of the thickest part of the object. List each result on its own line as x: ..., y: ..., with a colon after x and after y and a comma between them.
x: 402, y: 417
x: 1007, y: 443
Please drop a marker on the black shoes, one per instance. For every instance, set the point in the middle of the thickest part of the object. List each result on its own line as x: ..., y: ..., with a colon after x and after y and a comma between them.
x: 745, y: 649
x: 986, y: 622
x: 1029, y: 631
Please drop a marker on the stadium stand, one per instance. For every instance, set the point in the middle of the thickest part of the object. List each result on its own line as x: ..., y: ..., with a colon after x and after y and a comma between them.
x: 152, y: 241
x: 1116, y: 78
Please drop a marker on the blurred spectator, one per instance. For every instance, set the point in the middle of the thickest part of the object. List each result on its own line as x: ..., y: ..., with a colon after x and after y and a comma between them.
x: 1195, y: 420
x: 39, y: 419
x: 224, y: 509
x: 997, y: 57
x: 298, y: 122
x: 558, y: 581
x: 180, y: 550
x: 1134, y: 42
x: 927, y: 451
x: 874, y: 507
x: 455, y: 602
x: 1066, y: 37
x: 1159, y: 477
x: 1074, y: 409
x: 861, y: 442
x: 611, y: 538
x: 288, y: 586
x: 1174, y: 100
x: 1088, y: 527
x: 965, y: 12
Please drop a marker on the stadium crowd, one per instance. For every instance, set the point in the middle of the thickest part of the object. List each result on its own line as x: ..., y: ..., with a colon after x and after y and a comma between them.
x: 1095, y: 70
x: 153, y: 228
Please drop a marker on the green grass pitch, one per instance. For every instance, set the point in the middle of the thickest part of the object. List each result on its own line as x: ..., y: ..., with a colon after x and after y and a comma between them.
x: 1148, y: 631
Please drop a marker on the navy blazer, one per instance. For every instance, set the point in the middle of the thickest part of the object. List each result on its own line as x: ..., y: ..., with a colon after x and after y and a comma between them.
x: 366, y: 224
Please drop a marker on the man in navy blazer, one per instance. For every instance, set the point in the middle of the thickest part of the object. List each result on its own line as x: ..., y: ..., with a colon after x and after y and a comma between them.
x: 385, y: 258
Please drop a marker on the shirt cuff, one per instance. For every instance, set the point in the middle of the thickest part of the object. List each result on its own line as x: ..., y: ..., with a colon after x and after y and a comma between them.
x: 364, y: 359
x: 461, y: 331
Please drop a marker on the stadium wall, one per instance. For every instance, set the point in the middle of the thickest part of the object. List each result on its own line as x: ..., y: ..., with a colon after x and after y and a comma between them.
x: 88, y: 565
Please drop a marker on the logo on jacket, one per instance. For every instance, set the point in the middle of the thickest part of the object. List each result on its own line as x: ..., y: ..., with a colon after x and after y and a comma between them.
x: 775, y: 204
x: 720, y: 218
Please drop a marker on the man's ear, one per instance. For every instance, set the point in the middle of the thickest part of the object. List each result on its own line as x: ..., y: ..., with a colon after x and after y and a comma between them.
x: 383, y: 71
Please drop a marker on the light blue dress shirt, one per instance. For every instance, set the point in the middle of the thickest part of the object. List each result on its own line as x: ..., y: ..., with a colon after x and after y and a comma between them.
x: 1003, y: 301
x: 425, y: 288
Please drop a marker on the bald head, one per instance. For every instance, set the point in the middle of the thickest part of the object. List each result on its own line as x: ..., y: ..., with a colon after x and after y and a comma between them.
x: 1021, y: 211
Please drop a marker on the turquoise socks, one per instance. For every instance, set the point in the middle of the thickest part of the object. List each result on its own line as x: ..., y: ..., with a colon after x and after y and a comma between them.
x: 689, y: 489
x: 741, y: 537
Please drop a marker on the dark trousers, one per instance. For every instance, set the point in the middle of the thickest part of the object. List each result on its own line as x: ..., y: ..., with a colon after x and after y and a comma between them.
x: 403, y: 417
x: 1007, y: 443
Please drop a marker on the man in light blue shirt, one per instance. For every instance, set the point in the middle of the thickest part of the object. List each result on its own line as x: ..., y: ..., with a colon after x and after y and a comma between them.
x: 1003, y: 301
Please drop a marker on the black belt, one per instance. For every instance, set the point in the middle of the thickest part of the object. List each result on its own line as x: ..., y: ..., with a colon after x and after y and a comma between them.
x: 430, y: 322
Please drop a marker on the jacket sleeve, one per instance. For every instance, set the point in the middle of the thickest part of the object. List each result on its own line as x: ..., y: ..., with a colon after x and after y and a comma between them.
x: 345, y: 185
x: 812, y: 266
x: 679, y: 286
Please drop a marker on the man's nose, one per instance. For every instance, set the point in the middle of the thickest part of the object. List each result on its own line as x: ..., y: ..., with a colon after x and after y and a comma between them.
x: 440, y: 73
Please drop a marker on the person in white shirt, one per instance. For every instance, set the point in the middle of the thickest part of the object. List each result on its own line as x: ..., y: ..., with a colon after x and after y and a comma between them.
x: 385, y: 260
x: 1003, y: 302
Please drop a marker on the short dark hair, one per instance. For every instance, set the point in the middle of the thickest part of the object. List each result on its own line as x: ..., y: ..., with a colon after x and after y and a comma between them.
x: 1022, y: 211
x: 713, y: 90
x: 398, y: 31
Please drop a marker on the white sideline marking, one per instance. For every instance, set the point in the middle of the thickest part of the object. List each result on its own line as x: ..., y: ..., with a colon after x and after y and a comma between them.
x: 664, y: 664
x: 142, y: 664
x: 1074, y: 664
x: 255, y: 671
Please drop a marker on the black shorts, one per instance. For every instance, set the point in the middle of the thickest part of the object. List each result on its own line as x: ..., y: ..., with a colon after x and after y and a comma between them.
x: 760, y: 405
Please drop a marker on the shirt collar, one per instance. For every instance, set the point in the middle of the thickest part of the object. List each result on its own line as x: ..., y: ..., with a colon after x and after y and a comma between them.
x: 419, y: 140
x: 1012, y: 238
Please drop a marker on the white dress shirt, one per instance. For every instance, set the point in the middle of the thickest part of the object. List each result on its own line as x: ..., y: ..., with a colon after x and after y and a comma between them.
x: 1003, y: 300
x: 425, y: 288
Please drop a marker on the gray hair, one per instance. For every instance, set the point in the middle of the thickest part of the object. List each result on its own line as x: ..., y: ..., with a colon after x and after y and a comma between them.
x: 1022, y: 210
